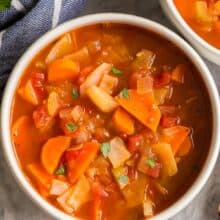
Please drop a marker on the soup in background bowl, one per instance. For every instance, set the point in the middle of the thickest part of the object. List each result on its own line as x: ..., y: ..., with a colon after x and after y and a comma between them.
x: 203, y: 17
x: 111, y: 121
x: 198, y: 21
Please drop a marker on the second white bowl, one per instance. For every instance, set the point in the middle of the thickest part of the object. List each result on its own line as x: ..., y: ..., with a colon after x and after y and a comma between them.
x: 205, y: 49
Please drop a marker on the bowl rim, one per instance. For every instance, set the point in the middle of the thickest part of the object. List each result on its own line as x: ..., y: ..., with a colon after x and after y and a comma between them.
x: 189, y: 32
x: 140, y: 22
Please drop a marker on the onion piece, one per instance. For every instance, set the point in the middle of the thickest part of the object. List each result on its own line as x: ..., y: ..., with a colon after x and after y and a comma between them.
x: 62, y: 201
x: 167, y: 109
x: 80, y: 193
x: 148, y: 208
x: 102, y: 99
x: 82, y: 136
x: 145, y: 85
x: 62, y: 47
x: 108, y: 83
x: 53, y: 103
x: 160, y: 188
x: 118, y: 153
x: 65, y: 113
x: 95, y: 77
x: 82, y: 56
x: 94, y: 46
x: 144, y: 60
x: 77, y: 113
x: 161, y: 95
x: 58, y: 187
x: 178, y: 73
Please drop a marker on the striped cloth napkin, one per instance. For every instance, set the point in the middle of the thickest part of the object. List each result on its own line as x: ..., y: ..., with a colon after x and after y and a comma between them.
x: 27, y: 20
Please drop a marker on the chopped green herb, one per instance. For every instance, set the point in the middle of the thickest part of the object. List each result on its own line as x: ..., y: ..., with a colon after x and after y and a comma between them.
x: 116, y: 71
x: 75, y: 93
x: 105, y: 149
x: 123, y: 179
x: 71, y: 127
x: 124, y: 93
x: 60, y: 170
x: 151, y: 163
x: 4, y: 4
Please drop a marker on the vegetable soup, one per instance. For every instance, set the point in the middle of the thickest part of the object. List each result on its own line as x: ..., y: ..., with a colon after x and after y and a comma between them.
x: 203, y: 16
x: 111, y: 122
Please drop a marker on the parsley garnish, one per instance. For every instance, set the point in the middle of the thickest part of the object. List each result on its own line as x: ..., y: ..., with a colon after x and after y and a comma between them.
x: 123, y: 179
x: 116, y: 71
x: 105, y: 149
x: 71, y: 127
x: 60, y: 170
x: 4, y: 4
x: 151, y: 163
x: 75, y: 93
x: 124, y: 93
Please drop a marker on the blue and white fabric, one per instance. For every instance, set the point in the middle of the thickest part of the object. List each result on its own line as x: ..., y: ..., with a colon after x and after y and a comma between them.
x: 26, y: 21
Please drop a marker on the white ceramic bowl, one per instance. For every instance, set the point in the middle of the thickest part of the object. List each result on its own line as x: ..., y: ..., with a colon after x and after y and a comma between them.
x: 205, y: 49
x: 115, y: 18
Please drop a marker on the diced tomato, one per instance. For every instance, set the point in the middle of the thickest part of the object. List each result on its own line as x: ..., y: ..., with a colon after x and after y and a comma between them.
x: 41, y: 117
x: 134, y: 142
x: 162, y: 80
x: 209, y: 2
x: 70, y: 156
x: 169, y: 121
x: 84, y: 73
x: 154, y: 172
x: 38, y: 81
x: 135, y: 77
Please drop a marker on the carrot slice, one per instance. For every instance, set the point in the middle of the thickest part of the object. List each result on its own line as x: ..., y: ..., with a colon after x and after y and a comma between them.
x: 52, y: 151
x: 40, y: 175
x: 20, y: 126
x: 28, y: 93
x: 142, y: 107
x: 23, y: 134
x: 175, y: 136
x: 62, y: 69
x: 123, y: 121
x: 79, y: 165
x: 185, y: 147
x: 164, y: 151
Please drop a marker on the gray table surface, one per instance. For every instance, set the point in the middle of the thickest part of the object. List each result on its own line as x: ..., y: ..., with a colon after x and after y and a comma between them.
x: 15, y: 205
